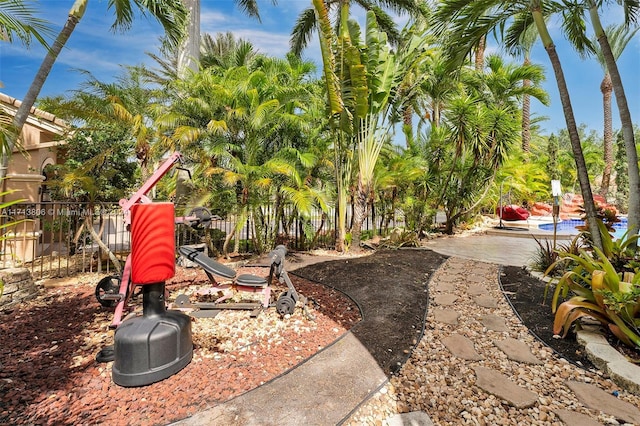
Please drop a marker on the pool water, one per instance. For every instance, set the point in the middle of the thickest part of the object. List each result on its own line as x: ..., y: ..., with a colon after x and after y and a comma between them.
x: 570, y: 226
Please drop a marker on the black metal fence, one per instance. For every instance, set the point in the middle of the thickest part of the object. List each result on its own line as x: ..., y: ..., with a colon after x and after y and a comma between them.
x: 57, y: 239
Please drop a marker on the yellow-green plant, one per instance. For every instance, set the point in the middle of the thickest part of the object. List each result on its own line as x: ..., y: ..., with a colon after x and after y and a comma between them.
x: 610, y: 296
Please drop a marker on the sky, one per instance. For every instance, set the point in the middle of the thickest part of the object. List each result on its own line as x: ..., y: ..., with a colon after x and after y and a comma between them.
x: 96, y: 48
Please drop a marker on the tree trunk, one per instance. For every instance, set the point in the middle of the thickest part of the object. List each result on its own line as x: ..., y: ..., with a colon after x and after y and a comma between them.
x: 359, y: 215
x: 574, y: 137
x: 189, y: 53
x: 102, y: 245
x: 526, y: 116
x: 75, y: 14
x: 606, y: 88
x: 479, y: 56
x: 625, y: 121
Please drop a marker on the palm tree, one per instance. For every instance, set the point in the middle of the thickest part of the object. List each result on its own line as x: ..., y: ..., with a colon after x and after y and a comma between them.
x: 224, y: 51
x: 308, y: 21
x: 170, y: 14
x: 529, y: 38
x: 231, y: 122
x: 189, y: 53
x: 469, y: 21
x: 618, y: 37
x: 440, y: 85
x: 18, y: 21
x: 632, y: 10
x: 478, y: 132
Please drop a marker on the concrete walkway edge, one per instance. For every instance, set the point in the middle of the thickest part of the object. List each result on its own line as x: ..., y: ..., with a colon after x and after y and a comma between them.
x: 338, y: 379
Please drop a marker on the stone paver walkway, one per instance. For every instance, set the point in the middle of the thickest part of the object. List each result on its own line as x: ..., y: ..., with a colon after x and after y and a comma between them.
x: 455, y: 296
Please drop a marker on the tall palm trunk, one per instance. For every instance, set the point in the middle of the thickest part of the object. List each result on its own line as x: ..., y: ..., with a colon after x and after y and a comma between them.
x: 606, y: 88
x: 360, y: 212
x: 75, y: 14
x: 334, y: 108
x: 625, y: 120
x: 479, y: 54
x: 574, y: 137
x: 189, y: 52
x: 526, y: 116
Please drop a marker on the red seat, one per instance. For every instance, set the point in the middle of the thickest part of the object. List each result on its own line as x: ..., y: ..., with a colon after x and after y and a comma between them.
x: 512, y: 212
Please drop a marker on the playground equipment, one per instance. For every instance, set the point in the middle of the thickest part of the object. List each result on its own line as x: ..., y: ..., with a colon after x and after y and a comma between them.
x: 285, y: 304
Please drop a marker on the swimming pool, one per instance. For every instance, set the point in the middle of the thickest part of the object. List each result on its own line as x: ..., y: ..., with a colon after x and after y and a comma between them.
x: 569, y: 226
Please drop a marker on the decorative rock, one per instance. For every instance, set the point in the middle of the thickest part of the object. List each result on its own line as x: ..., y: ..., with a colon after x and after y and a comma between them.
x: 517, y: 351
x: 494, y: 322
x: 414, y: 418
x: 486, y: 301
x: 446, y: 316
x: 625, y: 374
x: 499, y: 385
x: 602, y: 354
x: 18, y: 287
x: 461, y: 347
x: 445, y: 299
x: 594, y: 397
x: 607, y: 359
x: 571, y: 418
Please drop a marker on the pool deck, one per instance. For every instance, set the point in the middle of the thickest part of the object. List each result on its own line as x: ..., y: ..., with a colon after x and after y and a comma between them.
x: 529, y: 228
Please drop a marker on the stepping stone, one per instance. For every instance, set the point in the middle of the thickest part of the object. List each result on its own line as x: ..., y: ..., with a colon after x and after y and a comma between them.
x: 414, y: 418
x: 517, y: 351
x: 447, y: 278
x: 446, y: 316
x: 494, y: 322
x: 476, y: 290
x: 571, y: 418
x: 461, y: 347
x: 499, y: 385
x: 486, y: 301
x: 594, y: 397
x: 476, y: 278
x: 446, y: 299
x: 445, y: 285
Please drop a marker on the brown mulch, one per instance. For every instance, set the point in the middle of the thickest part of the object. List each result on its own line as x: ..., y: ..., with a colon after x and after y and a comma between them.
x: 391, y: 288
x: 48, y: 372
x: 49, y: 375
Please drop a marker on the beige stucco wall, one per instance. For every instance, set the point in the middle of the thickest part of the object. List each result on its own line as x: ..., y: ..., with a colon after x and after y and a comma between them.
x: 41, y: 136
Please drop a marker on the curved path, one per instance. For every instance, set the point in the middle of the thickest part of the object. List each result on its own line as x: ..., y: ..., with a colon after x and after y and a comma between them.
x: 347, y: 383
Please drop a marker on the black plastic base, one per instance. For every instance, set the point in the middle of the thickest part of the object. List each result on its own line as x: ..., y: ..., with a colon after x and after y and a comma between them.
x: 151, y: 348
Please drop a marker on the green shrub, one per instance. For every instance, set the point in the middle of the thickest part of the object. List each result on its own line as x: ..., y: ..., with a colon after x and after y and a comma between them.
x: 400, y: 238
x: 609, y: 295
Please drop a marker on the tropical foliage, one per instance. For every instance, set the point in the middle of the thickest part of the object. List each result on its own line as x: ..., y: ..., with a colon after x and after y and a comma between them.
x: 401, y: 120
x: 605, y: 285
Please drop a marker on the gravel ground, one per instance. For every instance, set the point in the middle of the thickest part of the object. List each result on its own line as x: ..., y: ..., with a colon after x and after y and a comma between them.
x: 438, y: 383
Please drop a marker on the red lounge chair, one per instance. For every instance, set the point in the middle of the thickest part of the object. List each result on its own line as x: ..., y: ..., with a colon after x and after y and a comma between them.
x: 512, y: 212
